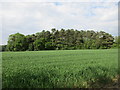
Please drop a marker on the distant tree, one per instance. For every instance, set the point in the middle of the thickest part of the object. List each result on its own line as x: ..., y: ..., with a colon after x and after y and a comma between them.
x: 116, y: 42
x: 17, y: 42
x: 30, y: 41
x: 39, y: 44
x: 31, y: 47
x: 62, y: 40
x: 106, y: 40
x: 49, y: 46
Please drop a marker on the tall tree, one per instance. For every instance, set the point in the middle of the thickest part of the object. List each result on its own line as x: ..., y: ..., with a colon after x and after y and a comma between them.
x: 17, y: 42
x: 39, y: 44
x: 61, y: 39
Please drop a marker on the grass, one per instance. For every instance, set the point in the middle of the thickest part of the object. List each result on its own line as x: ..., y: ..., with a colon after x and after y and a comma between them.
x: 59, y: 69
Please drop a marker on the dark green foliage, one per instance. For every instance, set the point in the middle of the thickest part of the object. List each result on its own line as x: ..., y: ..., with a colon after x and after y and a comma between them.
x: 117, y: 42
x: 49, y: 46
x: 17, y: 42
x: 61, y: 40
x: 39, y: 44
x: 3, y: 47
x: 31, y: 47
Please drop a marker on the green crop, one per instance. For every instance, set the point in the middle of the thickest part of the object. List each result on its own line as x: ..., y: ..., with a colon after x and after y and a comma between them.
x: 59, y: 69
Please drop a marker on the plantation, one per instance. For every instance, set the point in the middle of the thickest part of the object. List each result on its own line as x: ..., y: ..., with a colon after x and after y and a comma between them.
x: 60, y: 69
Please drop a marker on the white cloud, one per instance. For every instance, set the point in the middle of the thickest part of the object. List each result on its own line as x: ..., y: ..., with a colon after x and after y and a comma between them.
x: 28, y: 18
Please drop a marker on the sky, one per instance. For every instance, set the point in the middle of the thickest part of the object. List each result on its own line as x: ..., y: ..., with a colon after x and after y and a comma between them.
x: 32, y: 17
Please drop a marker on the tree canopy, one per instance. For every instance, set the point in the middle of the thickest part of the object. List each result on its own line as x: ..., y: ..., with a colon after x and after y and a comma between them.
x: 61, y: 40
x: 17, y: 42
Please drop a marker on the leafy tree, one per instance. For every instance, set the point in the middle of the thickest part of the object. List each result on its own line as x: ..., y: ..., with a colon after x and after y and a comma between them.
x: 17, y: 42
x: 39, y: 44
x: 62, y: 40
x: 31, y: 47
x: 116, y: 42
x: 49, y: 46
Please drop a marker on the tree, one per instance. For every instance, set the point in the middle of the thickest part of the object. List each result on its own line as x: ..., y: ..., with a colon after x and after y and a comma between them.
x: 17, y: 42
x: 30, y: 40
x: 39, y: 44
x: 62, y: 40
x: 31, y: 47
x: 117, y: 42
x: 49, y: 46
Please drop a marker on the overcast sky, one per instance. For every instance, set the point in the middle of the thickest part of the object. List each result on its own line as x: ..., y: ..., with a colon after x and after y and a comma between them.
x: 28, y: 18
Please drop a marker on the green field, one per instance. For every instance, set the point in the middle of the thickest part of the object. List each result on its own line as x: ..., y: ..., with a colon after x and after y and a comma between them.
x: 59, y: 68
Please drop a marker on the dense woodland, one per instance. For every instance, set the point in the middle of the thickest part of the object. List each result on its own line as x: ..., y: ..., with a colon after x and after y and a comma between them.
x: 69, y: 39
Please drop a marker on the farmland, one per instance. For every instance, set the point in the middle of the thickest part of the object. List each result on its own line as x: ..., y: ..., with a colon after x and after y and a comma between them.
x: 59, y: 68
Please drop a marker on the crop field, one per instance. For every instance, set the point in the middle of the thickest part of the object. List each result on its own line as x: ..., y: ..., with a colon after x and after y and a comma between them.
x: 60, y: 69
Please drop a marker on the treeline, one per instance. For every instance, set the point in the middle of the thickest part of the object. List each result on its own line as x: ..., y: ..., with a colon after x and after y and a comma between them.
x: 61, y: 40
